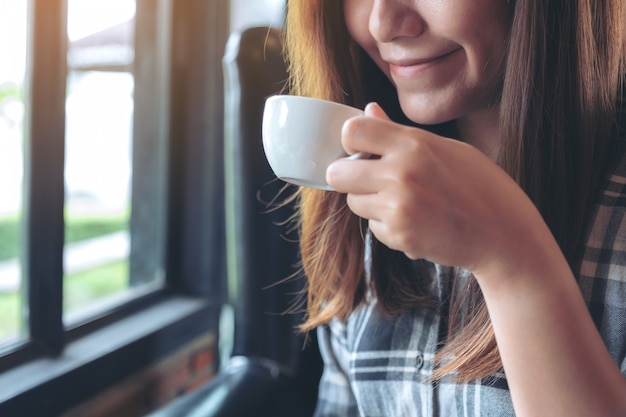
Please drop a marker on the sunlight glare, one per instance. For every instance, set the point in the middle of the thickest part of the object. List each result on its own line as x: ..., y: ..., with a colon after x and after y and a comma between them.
x: 86, y: 17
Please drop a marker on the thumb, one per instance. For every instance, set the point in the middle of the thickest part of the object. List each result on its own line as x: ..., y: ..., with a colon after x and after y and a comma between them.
x: 374, y: 110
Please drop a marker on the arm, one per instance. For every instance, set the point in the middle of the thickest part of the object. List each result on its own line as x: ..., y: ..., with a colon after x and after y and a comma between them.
x: 445, y: 201
x: 555, y: 361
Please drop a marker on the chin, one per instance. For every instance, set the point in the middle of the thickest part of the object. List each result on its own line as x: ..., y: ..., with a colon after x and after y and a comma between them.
x: 428, y: 117
x: 424, y: 112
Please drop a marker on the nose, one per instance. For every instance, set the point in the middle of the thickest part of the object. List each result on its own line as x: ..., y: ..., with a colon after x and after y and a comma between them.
x: 393, y: 19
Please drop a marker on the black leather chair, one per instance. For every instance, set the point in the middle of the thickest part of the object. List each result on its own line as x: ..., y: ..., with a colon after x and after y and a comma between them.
x: 272, y: 371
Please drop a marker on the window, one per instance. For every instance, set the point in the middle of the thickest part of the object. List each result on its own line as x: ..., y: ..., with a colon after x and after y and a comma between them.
x: 114, y: 116
x: 98, y: 159
x: 245, y: 13
x: 12, y: 51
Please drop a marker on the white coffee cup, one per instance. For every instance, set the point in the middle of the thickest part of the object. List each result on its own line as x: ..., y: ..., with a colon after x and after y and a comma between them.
x: 302, y: 136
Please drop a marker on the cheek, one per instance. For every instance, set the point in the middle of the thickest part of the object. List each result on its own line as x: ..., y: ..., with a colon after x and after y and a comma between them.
x: 357, y: 14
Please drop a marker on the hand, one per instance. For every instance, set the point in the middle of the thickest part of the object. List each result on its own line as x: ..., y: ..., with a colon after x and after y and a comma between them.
x: 433, y: 197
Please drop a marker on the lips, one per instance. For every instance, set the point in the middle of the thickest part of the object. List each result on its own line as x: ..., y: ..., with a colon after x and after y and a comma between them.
x: 410, y: 67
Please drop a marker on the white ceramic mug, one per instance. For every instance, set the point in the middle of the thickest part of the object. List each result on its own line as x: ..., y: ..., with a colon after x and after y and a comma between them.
x: 302, y: 136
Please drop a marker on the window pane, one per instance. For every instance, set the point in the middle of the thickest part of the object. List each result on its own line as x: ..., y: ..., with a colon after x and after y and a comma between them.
x: 98, y: 162
x: 13, y: 55
x: 245, y: 13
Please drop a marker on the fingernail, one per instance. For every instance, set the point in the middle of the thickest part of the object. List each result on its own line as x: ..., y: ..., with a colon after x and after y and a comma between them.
x: 370, y: 109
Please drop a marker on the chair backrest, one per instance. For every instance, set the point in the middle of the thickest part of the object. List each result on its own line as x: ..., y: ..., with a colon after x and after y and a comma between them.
x: 270, y: 371
x: 261, y: 251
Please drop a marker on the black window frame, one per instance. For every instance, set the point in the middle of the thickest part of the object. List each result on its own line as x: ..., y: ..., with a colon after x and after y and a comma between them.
x: 185, y: 113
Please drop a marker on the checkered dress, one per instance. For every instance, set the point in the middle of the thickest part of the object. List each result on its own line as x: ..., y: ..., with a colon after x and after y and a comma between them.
x: 377, y: 367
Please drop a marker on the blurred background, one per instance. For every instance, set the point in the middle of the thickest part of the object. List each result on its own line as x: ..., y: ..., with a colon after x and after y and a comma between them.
x: 120, y: 191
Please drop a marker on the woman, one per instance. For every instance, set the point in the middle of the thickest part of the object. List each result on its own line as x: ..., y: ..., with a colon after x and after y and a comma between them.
x: 480, y: 275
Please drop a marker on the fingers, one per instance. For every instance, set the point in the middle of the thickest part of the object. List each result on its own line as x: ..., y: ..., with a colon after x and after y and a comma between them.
x: 374, y: 134
x: 352, y: 175
x: 366, y: 206
x: 382, y: 233
x: 374, y: 110
x: 359, y: 138
x: 370, y: 133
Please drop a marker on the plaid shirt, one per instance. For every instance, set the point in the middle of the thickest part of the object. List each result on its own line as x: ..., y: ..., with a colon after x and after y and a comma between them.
x: 377, y: 367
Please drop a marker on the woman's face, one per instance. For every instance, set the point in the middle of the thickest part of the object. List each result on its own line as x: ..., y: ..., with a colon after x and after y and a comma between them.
x: 445, y: 57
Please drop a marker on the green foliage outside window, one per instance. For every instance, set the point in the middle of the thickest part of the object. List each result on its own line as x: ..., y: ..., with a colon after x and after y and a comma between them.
x: 81, y: 287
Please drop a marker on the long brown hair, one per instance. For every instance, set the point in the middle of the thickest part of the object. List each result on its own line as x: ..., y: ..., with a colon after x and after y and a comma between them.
x: 564, y: 71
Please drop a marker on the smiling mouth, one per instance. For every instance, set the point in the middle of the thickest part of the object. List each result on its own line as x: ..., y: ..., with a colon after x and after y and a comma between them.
x: 410, y: 68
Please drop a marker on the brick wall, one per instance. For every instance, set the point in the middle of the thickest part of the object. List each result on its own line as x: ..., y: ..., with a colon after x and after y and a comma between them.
x: 180, y: 373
